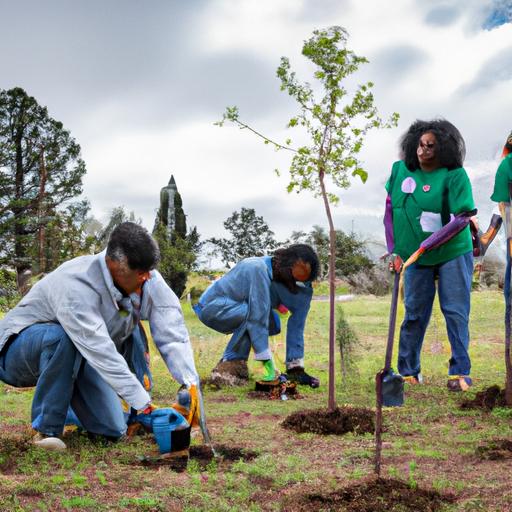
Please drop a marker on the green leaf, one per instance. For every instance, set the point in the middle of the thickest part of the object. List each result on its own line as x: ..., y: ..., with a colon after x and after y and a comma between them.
x: 361, y: 173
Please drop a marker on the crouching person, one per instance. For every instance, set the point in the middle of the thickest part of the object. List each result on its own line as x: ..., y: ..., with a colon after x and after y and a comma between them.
x: 244, y: 303
x: 76, y: 337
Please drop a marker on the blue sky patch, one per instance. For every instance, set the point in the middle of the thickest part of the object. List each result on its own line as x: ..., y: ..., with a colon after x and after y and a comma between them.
x: 500, y: 14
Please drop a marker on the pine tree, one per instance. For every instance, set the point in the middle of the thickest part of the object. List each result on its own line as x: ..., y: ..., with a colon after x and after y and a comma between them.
x: 178, y: 250
x: 40, y: 169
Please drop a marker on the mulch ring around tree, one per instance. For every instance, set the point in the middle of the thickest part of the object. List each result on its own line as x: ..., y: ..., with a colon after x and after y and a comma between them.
x: 380, y: 495
x: 224, y: 456
x: 487, y: 399
x: 498, y: 449
x: 339, y: 421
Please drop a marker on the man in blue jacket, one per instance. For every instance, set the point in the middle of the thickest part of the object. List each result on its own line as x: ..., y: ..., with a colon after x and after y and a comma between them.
x: 243, y: 303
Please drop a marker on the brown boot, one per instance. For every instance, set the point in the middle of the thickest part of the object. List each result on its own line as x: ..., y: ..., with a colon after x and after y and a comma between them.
x: 229, y: 373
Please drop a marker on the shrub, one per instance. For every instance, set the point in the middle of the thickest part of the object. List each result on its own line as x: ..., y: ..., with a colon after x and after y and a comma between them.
x: 9, y: 294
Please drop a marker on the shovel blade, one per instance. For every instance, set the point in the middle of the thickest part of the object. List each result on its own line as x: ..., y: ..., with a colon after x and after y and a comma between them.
x: 392, y: 389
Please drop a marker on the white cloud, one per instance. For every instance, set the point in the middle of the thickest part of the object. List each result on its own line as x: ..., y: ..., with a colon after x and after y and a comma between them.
x: 140, y: 93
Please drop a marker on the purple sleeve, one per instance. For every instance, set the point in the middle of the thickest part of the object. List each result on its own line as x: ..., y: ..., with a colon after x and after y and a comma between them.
x: 447, y: 232
x: 388, y: 225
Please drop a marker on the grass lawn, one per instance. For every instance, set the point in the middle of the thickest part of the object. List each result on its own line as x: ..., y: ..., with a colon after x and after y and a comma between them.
x: 430, y: 442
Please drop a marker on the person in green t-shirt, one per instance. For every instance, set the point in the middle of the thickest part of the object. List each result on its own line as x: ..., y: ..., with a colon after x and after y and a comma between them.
x: 501, y: 193
x: 425, y: 190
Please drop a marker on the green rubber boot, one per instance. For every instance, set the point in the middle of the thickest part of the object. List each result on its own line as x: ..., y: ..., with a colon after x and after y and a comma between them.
x: 270, y: 370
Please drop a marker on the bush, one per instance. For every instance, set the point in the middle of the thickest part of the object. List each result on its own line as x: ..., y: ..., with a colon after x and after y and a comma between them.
x: 347, y: 340
x: 374, y: 281
x: 9, y: 294
x: 490, y: 275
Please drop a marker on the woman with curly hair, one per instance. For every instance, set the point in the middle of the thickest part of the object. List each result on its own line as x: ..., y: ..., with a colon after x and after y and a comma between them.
x: 425, y: 190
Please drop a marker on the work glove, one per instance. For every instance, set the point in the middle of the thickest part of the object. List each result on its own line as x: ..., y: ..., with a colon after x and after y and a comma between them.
x: 187, y: 404
x: 395, y: 263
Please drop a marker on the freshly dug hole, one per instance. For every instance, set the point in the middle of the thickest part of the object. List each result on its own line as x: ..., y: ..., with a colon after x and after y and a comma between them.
x: 338, y: 422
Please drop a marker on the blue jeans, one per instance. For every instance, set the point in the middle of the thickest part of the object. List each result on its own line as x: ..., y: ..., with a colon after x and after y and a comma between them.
x: 298, y: 304
x: 229, y: 316
x: 454, y: 287
x: 43, y: 356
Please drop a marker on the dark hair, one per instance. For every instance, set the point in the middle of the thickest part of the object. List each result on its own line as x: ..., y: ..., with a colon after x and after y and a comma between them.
x: 133, y: 242
x: 450, y: 144
x: 285, y: 257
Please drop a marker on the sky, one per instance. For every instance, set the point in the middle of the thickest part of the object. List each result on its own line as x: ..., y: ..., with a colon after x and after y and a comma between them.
x: 140, y: 84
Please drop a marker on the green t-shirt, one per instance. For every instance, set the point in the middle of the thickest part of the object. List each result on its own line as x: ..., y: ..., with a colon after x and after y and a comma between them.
x: 422, y: 203
x: 501, y: 181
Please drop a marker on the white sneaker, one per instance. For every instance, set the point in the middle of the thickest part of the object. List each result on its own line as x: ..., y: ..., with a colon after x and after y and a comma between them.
x: 48, y: 443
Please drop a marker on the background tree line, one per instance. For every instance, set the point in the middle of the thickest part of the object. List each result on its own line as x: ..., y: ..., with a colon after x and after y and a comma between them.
x: 44, y: 219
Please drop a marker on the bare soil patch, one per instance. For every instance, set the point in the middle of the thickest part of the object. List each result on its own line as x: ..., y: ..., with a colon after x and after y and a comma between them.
x: 487, y: 399
x: 203, y: 454
x: 337, y: 422
x: 380, y: 495
x: 498, y: 449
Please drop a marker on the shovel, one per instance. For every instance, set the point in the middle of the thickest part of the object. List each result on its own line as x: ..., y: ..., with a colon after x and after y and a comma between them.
x: 390, y: 385
x: 202, y: 424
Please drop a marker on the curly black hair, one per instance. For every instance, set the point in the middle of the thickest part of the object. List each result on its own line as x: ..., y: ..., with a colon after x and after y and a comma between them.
x: 450, y: 144
x: 284, y: 258
x: 131, y: 242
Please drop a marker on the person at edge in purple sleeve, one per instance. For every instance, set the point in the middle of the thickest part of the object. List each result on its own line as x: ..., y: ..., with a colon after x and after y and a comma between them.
x: 426, y: 189
x: 243, y: 303
x: 76, y: 336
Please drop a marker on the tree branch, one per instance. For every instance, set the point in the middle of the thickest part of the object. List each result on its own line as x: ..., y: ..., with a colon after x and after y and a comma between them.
x: 244, y: 126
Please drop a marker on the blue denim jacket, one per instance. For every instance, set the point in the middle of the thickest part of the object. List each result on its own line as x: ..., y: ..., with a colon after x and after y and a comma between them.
x: 241, y: 303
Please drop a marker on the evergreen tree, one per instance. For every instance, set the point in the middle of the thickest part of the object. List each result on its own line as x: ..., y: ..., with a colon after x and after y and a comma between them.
x: 178, y: 250
x: 250, y: 236
x: 118, y: 215
x: 40, y: 169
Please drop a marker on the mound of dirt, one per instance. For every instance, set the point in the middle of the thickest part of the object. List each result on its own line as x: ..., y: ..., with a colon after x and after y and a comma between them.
x: 338, y: 422
x: 228, y: 374
x: 11, y: 446
x: 381, y: 495
x: 499, y: 449
x: 487, y: 399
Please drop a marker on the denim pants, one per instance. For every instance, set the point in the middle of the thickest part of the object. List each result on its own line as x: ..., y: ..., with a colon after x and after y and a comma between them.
x: 43, y: 356
x: 454, y: 288
x: 298, y: 304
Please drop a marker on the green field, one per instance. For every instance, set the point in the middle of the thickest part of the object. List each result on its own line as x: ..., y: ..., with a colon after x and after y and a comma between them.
x: 429, y: 442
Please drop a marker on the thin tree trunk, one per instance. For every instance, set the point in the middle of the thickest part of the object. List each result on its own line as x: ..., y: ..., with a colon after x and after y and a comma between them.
x: 41, y: 213
x: 20, y: 262
x: 378, y: 423
x: 332, y: 294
